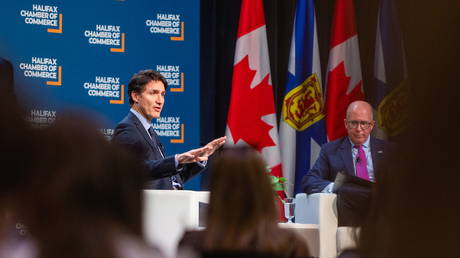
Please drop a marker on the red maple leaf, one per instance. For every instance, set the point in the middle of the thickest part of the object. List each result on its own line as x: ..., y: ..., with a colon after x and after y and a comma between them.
x: 247, y: 106
x: 337, y: 101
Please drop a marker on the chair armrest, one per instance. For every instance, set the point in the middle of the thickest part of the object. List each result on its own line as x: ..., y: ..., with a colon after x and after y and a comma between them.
x: 321, y: 209
x: 168, y: 213
x: 315, y: 207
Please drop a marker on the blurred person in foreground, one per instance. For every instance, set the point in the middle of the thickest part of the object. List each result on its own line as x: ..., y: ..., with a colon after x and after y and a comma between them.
x: 242, y: 216
x: 84, y: 198
x: 417, y: 208
x: 18, y: 154
x: 146, y: 91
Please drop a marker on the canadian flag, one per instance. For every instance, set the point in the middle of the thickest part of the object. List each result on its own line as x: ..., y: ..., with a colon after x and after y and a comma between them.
x: 251, y: 116
x: 344, y: 79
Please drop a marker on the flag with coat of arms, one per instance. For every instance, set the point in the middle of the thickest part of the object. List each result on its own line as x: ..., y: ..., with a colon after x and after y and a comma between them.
x: 302, y: 130
x: 388, y: 96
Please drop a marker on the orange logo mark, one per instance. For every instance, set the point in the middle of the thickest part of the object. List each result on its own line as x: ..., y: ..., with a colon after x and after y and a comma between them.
x: 181, y: 38
x: 59, y: 30
x: 181, y: 140
x: 181, y: 89
x: 59, y: 81
x: 122, y: 97
x: 303, y: 105
x: 122, y: 49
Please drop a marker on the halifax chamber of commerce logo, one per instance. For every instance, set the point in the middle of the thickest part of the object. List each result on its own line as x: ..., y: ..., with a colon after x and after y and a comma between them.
x: 303, y: 105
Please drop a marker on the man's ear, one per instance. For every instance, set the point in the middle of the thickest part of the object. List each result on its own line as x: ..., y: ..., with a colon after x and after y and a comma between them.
x: 372, y: 124
x: 135, y: 96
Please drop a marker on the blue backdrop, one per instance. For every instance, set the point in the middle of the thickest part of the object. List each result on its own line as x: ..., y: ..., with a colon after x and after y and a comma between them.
x: 80, y: 55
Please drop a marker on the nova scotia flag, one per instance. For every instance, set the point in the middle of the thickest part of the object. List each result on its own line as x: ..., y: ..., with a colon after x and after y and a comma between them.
x: 302, y: 130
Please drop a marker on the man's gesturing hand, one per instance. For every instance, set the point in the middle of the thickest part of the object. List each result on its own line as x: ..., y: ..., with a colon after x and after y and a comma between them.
x: 201, y: 154
x: 214, y: 145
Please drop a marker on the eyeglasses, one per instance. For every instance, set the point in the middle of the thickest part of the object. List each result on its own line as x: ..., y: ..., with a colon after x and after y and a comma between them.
x: 354, y: 124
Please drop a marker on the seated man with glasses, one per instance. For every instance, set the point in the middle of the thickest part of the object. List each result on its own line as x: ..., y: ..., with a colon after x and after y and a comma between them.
x: 355, y: 157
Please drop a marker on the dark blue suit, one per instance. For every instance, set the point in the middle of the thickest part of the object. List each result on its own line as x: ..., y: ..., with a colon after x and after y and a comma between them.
x: 353, y: 201
x: 131, y: 134
x: 336, y: 157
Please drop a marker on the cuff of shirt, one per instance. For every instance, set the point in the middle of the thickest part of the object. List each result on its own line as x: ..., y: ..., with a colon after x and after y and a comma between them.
x: 178, y: 166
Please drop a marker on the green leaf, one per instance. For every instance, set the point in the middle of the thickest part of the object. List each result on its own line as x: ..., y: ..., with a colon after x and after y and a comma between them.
x: 278, y: 183
x: 278, y: 187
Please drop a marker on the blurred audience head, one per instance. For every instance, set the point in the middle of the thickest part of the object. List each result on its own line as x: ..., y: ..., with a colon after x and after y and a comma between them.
x: 18, y: 151
x: 242, y: 212
x: 84, y: 192
x: 15, y: 139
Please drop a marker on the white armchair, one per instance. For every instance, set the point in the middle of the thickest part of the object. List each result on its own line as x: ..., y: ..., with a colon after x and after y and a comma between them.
x: 168, y: 213
x: 321, y: 209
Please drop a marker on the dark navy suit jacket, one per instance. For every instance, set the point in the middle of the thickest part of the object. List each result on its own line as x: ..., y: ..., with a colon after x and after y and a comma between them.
x: 336, y: 157
x: 131, y: 134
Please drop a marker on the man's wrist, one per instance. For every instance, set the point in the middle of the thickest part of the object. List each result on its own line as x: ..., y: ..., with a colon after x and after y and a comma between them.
x: 176, y: 163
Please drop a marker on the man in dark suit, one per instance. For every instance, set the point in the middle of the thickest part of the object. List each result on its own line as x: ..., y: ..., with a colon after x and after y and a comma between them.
x: 358, y: 157
x: 146, y: 91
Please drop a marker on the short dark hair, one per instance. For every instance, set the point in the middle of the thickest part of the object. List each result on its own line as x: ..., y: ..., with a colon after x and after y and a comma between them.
x: 140, y: 79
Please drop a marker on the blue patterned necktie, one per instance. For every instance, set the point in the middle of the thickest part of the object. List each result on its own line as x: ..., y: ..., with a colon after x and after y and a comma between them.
x: 175, y: 184
x: 155, y: 140
x: 152, y: 133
